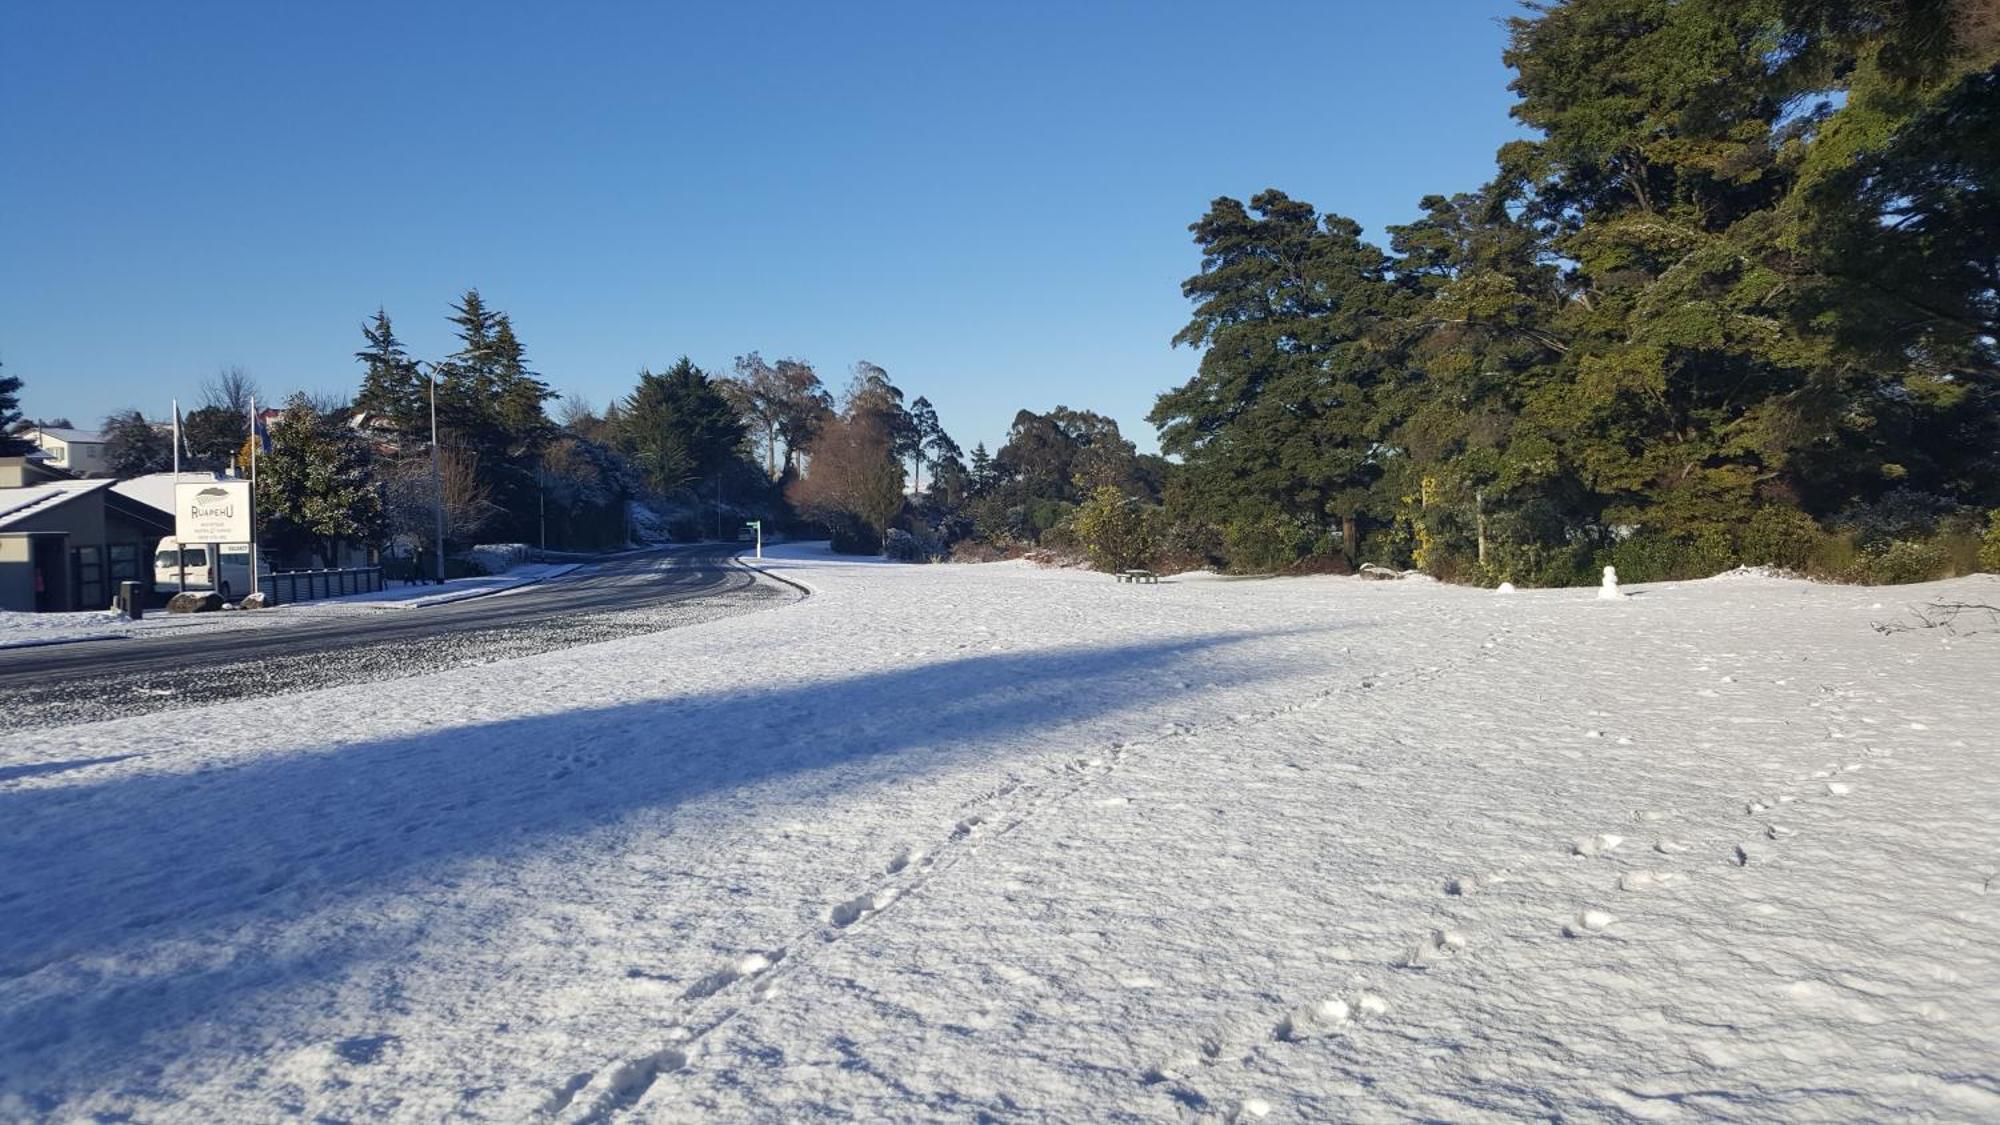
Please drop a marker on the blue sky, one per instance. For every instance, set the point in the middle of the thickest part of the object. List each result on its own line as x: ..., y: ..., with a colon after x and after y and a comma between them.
x: 990, y: 201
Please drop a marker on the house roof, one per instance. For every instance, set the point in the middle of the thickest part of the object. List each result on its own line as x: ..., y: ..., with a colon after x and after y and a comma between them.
x: 17, y: 504
x: 156, y: 489
x: 75, y: 437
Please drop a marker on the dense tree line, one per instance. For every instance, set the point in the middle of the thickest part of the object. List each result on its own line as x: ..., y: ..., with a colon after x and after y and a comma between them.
x: 1735, y: 303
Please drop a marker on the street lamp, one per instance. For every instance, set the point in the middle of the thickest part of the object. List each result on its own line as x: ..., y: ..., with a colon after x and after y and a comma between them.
x: 437, y: 474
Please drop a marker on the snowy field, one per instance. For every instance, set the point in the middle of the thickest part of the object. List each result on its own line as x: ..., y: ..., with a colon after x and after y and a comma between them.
x: 992, y: 842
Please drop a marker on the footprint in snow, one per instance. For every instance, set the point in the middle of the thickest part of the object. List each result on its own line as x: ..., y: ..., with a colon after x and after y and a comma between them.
x: 1588, y: 924
x: 1464, y: 886
x: 1434, y: 947
x: 1252, y: 1109
x: 1595, y: 845
x: 618, y: 1088
x: 1650, y: 880
x: 855, y: 909
x: 1311, y: 1020
x: 729, y: 974
x: 903, y: 858
x: 1327, y: 1016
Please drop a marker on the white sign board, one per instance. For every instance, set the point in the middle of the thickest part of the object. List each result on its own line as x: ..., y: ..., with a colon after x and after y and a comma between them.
x: 212, y: 511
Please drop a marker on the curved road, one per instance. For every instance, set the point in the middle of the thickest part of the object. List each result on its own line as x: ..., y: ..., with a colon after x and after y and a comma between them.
x: 338, y: 644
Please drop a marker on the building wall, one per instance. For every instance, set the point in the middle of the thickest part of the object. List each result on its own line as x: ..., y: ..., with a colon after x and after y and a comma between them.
x: 102, y: 548
x: 84, y: 458
x: 17, y: 573
x: 87, y: 459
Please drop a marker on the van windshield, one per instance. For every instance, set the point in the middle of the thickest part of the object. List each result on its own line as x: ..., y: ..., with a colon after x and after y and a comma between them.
x: 191, y: 556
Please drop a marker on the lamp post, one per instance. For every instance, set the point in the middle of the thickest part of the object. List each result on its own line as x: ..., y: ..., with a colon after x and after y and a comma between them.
x: 437, y: 473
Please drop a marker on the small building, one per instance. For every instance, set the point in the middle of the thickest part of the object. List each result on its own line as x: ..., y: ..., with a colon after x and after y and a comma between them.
x: 78, y: 452
x: 66, y: 543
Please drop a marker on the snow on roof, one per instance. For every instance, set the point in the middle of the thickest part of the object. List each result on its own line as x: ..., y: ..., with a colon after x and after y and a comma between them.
x: 156, y: 489
x: 75, y: 437
x: 20, y: 503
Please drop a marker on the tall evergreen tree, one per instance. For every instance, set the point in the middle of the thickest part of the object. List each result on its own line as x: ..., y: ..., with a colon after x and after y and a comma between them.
x: 925, y: 433
x: 518, y: 393
x: 10, y: 417
x: 678, y: 427
x: 1284, y: 416
x: 981, y: 469
x: 391, y: 383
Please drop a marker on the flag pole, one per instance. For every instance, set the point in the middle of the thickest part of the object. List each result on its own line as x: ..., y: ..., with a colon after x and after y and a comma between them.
x: 254, y: 443
x: 180, y: 552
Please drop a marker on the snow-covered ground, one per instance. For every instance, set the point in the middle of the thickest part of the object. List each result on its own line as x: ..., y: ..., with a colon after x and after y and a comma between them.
x: 970, y: 842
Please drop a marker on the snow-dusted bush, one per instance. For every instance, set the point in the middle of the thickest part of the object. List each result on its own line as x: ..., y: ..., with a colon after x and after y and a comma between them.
x: 1779, y: 536
x: 496, y: 558
x: 1117, y: 531
x: 1905, y: 560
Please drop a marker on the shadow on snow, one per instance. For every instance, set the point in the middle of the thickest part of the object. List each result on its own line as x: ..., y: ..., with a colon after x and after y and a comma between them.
x: 218, y: 865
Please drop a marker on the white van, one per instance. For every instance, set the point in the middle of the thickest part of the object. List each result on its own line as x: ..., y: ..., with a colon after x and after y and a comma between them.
x: 231, y: 566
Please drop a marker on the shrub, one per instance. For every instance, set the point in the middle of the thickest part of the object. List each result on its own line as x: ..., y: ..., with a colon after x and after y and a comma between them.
x: 1905, y: 560
x: 1538, y: 564
x: 851, y: 536
x: 905, y: 546
x: 1261, y: 544
x: 1779, y: 536
x: 1657, y: 557
x: 1905, y: 513
x: 1989, y: 546
x: 1836, y: 558
x: 1117, y: 531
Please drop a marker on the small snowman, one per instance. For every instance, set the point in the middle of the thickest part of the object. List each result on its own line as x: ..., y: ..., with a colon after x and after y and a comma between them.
x: 1609, y: 591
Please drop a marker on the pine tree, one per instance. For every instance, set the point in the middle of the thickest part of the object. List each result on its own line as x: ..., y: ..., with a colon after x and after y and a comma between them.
x: 10, y: 417
x: 924, y: 434
x: 982, y: 469
x: 1283, y: 420
x: 133, y: 447
x: 468, y: 381
x: 518, y: 394
x: 392, y: 385
x: 678, y: 427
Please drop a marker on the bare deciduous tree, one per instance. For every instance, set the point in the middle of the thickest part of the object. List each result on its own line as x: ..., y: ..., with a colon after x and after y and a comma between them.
x: 468, y: 501
x: 231, y: 389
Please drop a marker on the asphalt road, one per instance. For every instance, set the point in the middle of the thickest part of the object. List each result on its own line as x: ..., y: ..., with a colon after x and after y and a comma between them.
x: 622, y: 597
